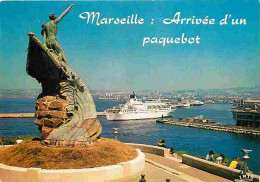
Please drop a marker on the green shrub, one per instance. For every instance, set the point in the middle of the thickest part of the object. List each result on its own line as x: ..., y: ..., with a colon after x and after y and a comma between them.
x: 180, y: 152
x: 199, y: 156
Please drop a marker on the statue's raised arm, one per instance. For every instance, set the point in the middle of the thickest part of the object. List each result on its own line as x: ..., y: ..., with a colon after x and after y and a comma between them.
x: 64, y: 13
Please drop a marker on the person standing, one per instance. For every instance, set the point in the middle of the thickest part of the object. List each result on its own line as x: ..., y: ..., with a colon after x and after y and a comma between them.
x: 210, y: 156
x: 19, y: 140
x: 220, y: 159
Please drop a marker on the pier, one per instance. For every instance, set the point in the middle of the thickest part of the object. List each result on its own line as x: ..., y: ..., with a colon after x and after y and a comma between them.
x: 30, y: 115
x: 215, y: 127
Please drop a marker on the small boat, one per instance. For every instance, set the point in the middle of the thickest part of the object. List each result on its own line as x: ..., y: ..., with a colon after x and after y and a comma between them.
x: 186, y: 104
x: 197, y: 103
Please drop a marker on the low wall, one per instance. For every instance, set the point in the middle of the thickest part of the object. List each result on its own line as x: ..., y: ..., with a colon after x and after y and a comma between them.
x: 5, y: 146
x: 213, y: 168
x: 99, y: 174
x: 164, y: 152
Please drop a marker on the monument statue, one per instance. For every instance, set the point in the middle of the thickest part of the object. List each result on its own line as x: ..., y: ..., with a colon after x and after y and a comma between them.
x: 49, y: 31
x: 65, y: 110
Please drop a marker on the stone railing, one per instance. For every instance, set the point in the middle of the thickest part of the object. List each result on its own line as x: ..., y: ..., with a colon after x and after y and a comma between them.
x: 214, y: 168
x: 164, y: 152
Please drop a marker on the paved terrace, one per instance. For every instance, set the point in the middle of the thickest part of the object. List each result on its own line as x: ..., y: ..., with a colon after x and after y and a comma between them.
x: 160, y: 165
x: 158, y: 169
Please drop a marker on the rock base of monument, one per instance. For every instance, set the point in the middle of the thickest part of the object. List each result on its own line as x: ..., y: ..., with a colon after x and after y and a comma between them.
x: 66, y: 143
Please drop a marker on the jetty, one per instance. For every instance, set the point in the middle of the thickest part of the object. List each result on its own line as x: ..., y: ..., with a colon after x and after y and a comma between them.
x: 213, y: 126
x: 30, y: 115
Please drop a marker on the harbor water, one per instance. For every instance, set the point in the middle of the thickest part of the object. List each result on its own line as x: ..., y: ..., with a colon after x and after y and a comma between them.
x: 194, y: 141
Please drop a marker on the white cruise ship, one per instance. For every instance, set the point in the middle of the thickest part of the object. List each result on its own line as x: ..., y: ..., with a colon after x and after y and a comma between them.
x: 139, y: 109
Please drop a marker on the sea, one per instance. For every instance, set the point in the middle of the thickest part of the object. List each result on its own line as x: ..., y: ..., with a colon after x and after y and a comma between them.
x: 194, y: 141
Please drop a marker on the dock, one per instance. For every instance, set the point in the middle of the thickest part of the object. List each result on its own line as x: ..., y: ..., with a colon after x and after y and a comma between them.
x: 30, y: 115
x: 215, y: 127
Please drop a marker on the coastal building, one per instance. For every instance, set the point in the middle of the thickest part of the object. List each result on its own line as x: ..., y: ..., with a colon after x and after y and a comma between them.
x: 247, y: 113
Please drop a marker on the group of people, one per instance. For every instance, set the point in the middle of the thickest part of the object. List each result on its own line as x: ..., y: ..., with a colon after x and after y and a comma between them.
x: 235, y: 163
x: 219, y: 160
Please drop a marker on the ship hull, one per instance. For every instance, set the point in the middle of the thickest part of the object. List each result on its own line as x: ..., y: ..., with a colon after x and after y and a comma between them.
x: 137, y: 115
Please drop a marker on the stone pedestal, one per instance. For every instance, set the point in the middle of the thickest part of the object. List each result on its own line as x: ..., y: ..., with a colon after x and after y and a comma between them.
x: 65, y: 110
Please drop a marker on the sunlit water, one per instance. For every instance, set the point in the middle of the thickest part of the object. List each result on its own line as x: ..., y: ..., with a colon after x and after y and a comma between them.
x: 195, y: 141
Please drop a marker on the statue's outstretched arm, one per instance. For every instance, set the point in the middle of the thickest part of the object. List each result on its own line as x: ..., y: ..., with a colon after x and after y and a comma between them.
x: 63, y: 14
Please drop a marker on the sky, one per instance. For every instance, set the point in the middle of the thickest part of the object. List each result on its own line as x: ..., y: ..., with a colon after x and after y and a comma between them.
x: 111, y: 57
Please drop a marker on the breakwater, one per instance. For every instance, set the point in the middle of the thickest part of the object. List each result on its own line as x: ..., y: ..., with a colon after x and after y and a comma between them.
x: 215, y: 127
